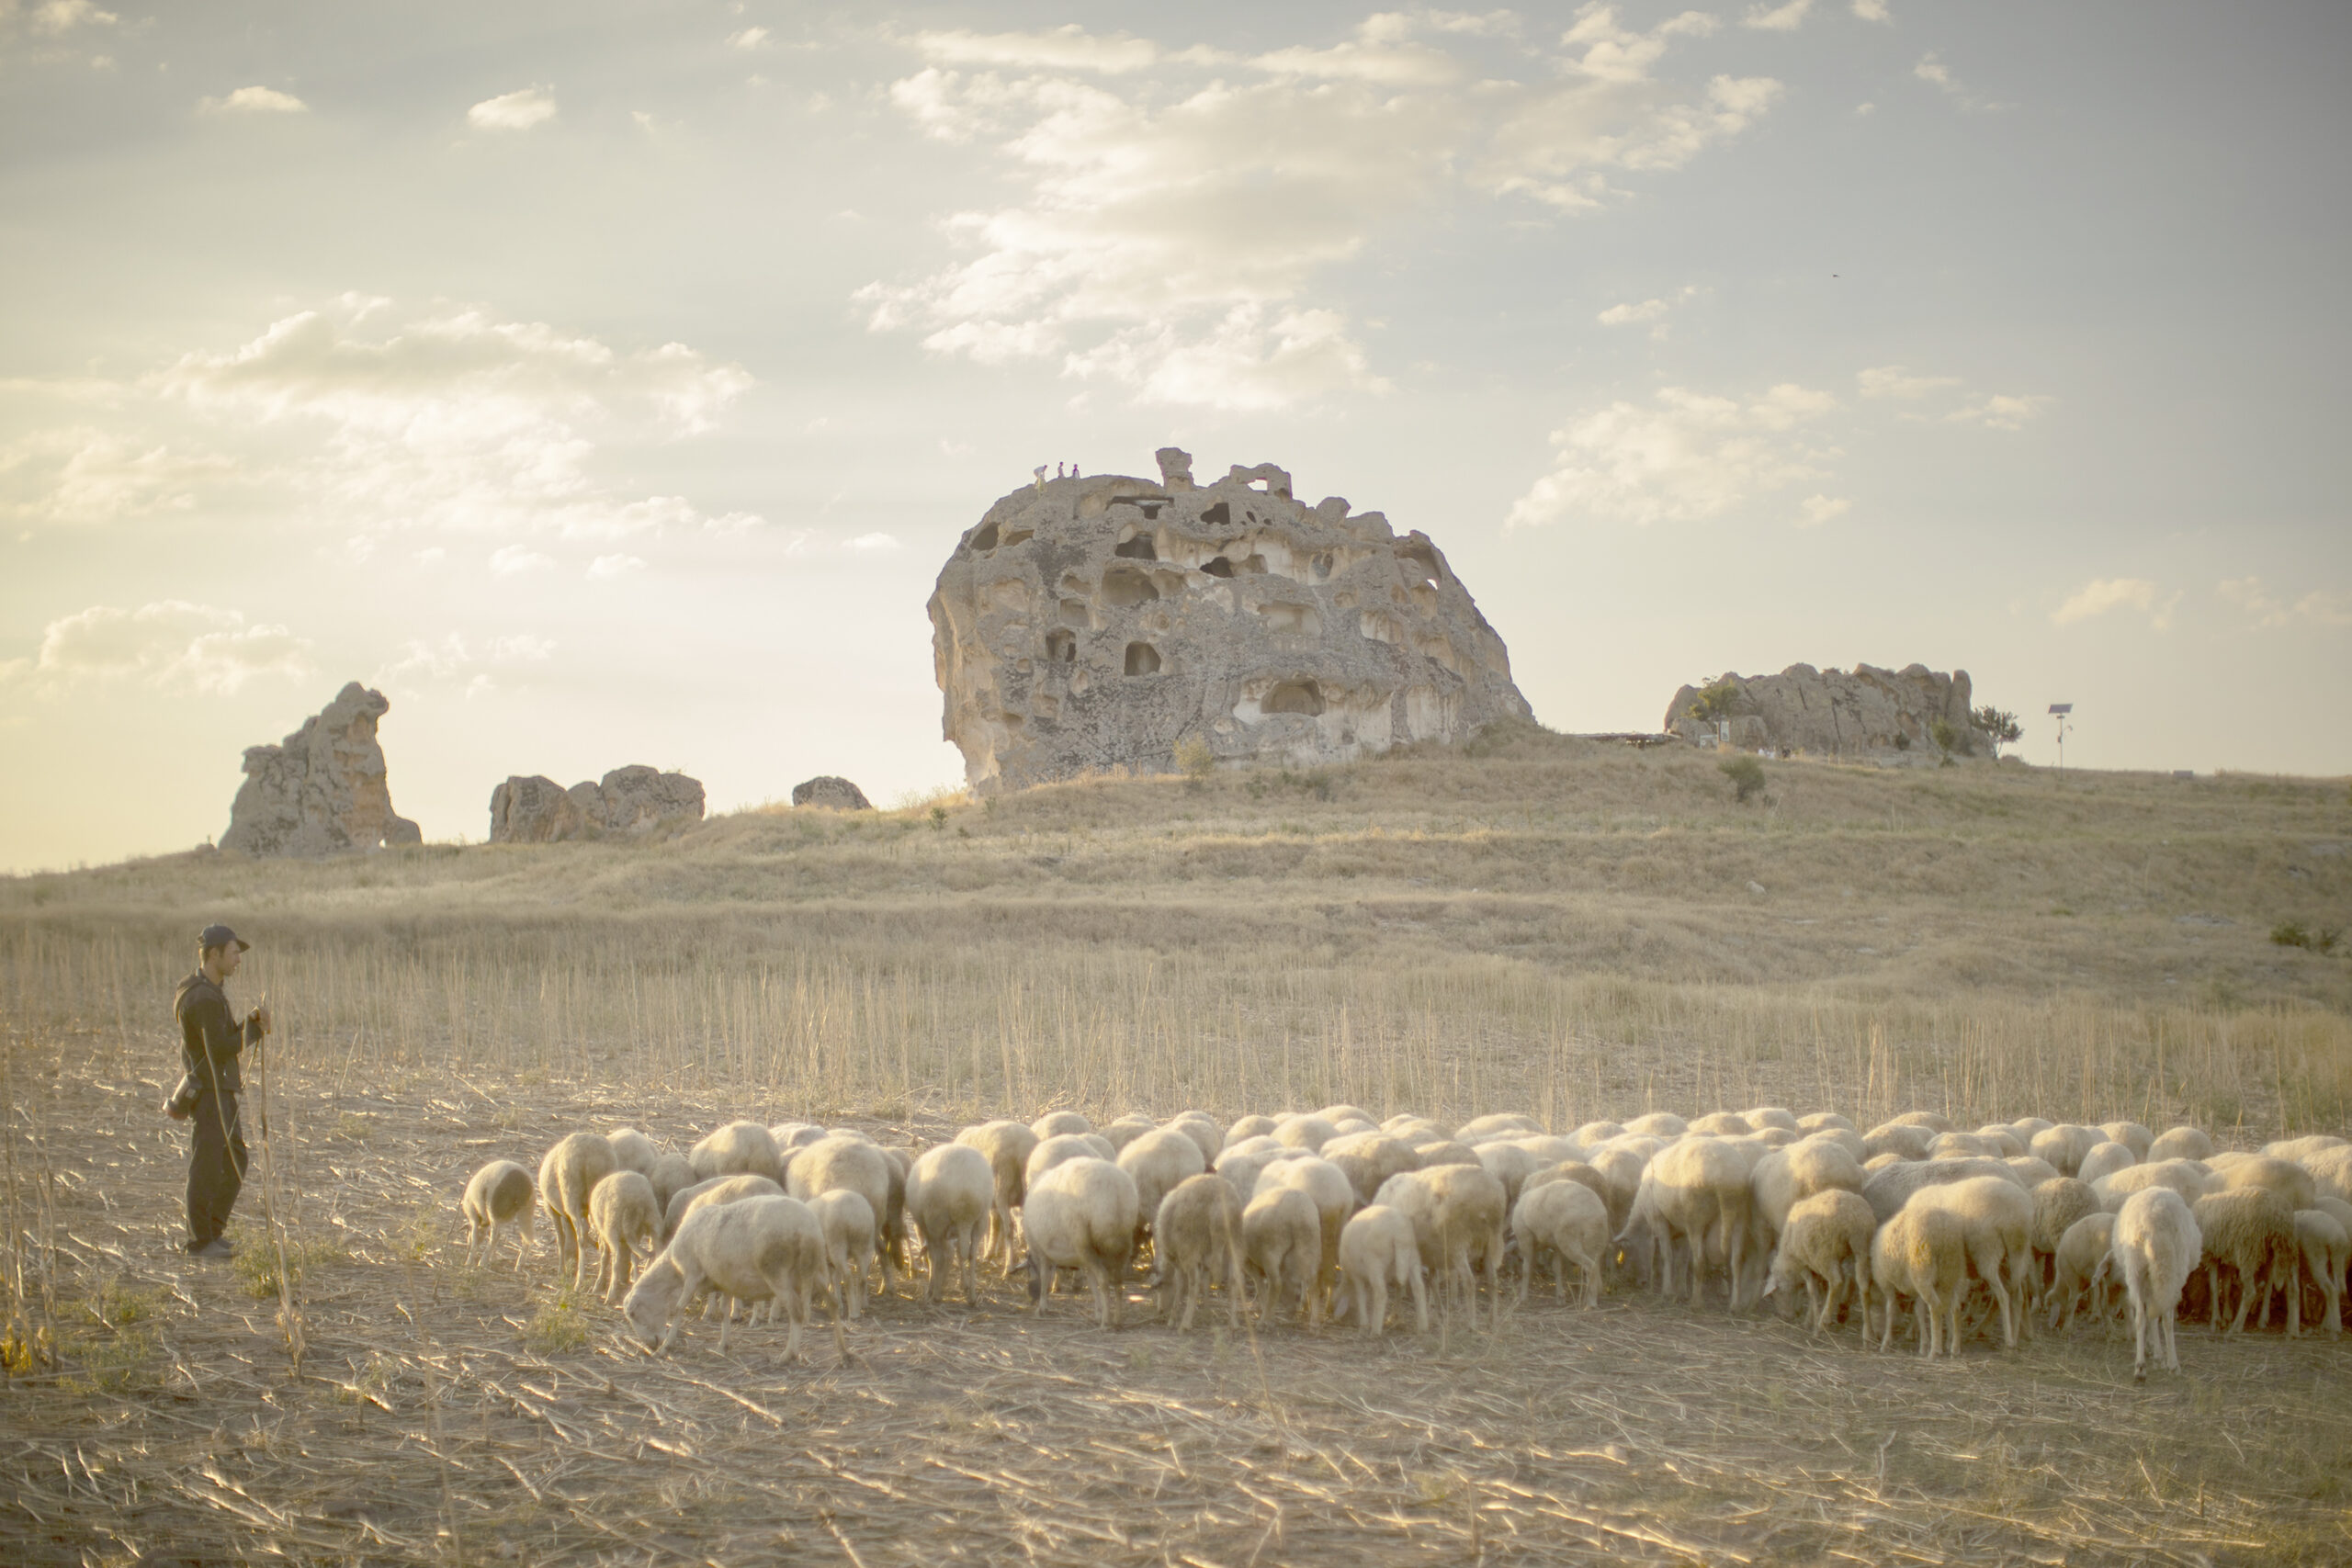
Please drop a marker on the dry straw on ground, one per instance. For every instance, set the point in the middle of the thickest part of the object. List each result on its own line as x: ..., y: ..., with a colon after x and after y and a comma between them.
x: 1559, y: 928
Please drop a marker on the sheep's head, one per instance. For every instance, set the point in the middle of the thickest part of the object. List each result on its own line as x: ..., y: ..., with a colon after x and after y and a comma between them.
x: 651, y: 1302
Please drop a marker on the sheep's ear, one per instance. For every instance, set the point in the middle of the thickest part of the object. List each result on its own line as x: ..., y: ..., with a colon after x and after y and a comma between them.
x: 1771, y: 1283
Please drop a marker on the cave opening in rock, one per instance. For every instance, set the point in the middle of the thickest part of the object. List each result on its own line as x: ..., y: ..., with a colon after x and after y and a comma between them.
x: 1419, y: 563
x: 1144, y: 659
x: 1061, y: 646
x: 1137, y: 548
x: 986, y: 538
x: 1218, y: 566
x: 1124, y: 589
x: 1291, y: 696
x: 1218, y: 515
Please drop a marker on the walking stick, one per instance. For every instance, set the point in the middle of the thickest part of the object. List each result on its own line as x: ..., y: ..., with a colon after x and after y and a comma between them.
x: 289, y: 1316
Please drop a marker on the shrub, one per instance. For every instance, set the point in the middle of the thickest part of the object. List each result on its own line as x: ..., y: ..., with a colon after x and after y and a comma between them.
x: 556, y: 1327
x: 1746, y: 776
x: 2292, y: 934
x: 938, y: 818
x: 1194, y: 758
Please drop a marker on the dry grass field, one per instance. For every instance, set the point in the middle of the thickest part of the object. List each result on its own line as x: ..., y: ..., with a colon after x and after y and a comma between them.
x: 1534, y: 923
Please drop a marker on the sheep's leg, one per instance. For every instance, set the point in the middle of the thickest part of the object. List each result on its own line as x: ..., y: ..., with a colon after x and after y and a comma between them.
x: 1923, y: 1314
x: 2140, y: 1338
x: 2246, y: 1299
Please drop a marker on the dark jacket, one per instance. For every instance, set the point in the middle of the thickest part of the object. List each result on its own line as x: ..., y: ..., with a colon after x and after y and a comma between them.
x: 211, y: 1037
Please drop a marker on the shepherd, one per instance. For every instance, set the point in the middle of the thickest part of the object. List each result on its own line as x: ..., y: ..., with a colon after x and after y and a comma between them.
x: 211, y: 1040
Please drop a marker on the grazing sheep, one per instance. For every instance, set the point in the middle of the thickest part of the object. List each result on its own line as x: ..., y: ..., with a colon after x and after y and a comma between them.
x: 1922, y: 1254
x: 1995, y: 1218
x: 1309, y: 1133
x: 1008, y: 1145
x: 627, y: 1219
x: 1509, y: 1124
x: 1081, y: 1214
x: 1592, y: 1135
x: 2058, y: 1203
x: 2006, y: 1136
x: 791, y: 1136
x: 2025, y: 1127
x: 1826, y: 1121
x: 1763, y: 1116
x: 1241, y: 1169
x: 632, y: 1150
x: 1063, y: 1146
x: 2331, y: 1172
x: 500, y: 1194
x: 1203, y: 1129
x: 1785, y: 1176
x: 1509, y: 1164
x: 1247, y: 1127
x: 1127, y: 1129
x: 2131, y: 1134
x: 2081, y: 1264
x: 1658, y: 1124
x: 1334, y: 1197
x: 2032, y: 1171
x: 1620, y: 1171
x: 838, y: 1162
x: 1567, y: 1222
x: 740, y: 1148
x: 1059, y: 1124
x: 1970, y: 1145
x: 1444, y: 1152
x: 1573, y: 1170
x: 1369, y: 1160
x: 2157, y: 1241
x: 2284, y: 1176
x: 708, y: 1194
x: 1281, y: 1237
x: 671, y: 1175
x: 1826, y: 1239
x: 2299, y: 1149
x: 2063, y: 1147
x: 2104, y: 1159
x: 1196, y: 1235
x: 1904, y: 1140
x: 2179, y: 1143
x: 2327, y: 1249
x: 567, y: 1174
x: 948, y: 1197
x: 1719, y: 1124
x: 1156, y: 1162
x: 2252, y: 1230
x: 847, y: 1220
x: 762, y: 1249
x: 1377, y: 1248
x: 1890, y: 1189
x: 2186, y: 1176
x: 1468, y: 1220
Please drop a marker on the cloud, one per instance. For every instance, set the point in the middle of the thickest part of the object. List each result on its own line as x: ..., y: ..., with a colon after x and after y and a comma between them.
x: 56, y: 18
x: 1936, y: 73
x: 1173, y: 235
x: 2315, y: 608
x: 872, y: 544
x: 1687, y: 456
x: 1815, y: 510
x: 255, y: 100
x: 2101, y: 596
x: 1999, y: 412
x: 1894, y: 381
x: 510, y: 560
x: 605, y: 567
x: 1653, y: 312
x: 1994, y: 410
x: 170, y: 645
x: 81, y: 476
x: 749, y: 40
x: 420, y: 661
x: 1783, y: 18
x: 518, y: 110
x: 1872, y: 10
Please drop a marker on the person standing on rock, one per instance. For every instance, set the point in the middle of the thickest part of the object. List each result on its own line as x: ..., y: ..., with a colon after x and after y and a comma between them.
x: 211, y: 1040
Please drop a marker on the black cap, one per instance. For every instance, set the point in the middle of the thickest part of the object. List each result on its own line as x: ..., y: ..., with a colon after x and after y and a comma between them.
x: 220, y: 936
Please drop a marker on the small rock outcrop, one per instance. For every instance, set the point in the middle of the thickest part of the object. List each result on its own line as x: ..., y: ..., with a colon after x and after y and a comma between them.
x: 1865, y: 713
x: 826, y: 790
x: 1089, y: 624
x: 535, y: 809
x: 322, y: 791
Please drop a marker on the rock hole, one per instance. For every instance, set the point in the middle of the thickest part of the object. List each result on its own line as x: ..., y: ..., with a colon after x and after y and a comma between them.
x: 1322, y: 567
x: 1220, y: 515
x: 1150, y: 510
x: 1137, y: 548
x: 1255, y: 565
x: 1144, y: 659
x: 1292, y: 618
x: 1218, y: 566
x: 986, y: 538
x: 1073, y: 583
x: 1074, y: 612
x: 1016, y: 537
x: 1293, y: 697
x: 1061, y: 646
x: 1419, y: 563
x: 1124, y: 589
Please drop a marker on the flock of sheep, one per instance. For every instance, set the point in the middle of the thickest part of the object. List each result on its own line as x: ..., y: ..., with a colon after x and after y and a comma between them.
x: 1323, y: 1213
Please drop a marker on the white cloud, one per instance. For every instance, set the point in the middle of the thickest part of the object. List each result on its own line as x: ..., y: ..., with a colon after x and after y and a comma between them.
x: 1815, y: 510
x: 1653, y: 312
x: 56, y: 18
x: 509, y: 560
x: 872, y: 544
x: 518, y: 110
x: 452, y: 658
x: 1894, y: 381
x: 255, y: 100
x: 170, y: 644
x: 521, y: 647
x: 1171, y: 234
x: 1782, y: 18
x: 1871, y: 10
x: 749, y: 40
x: 2318, y: 607
x: 605, y: 567
x: 1687, y: 456
x: 2101, y: 596
x: 1994, y: 410
x: 1999, y: 412
x: 81, y: 476
x: 1936, y: 73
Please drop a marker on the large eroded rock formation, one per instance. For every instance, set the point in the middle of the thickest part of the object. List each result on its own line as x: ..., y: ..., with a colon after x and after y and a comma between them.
x: 535, y: 809
x: 322, y: 791
x: 1868, y: 712
x: 1100, y: 623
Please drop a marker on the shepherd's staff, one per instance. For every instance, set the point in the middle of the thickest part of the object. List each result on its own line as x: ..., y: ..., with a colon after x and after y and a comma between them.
x: 289, y: 1316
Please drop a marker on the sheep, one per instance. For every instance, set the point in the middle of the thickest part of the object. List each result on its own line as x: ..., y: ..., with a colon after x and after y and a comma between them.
x: 2325, y: 1247
x: 1377, y: 1248
x: 1890, y: 1189
x: 500, y: 1193
x: 1056, y: 1123
x: 1826, y: 1121
x: 1309, y: 1133
x: 671, y: 1175
x: 2299, y: 1149
x: 1503, y: 1123
x: 791, y: 1136
x: 1341, y: 1110
x: 2186, y: 1176
x: 2081, y: 1264
x: 2284, y: 1177
x: 2025, y: 1127
x: 2331, y: 1171
x: 837, y: 1161
x: 567, y: 1174
x: 1658, y: 1124
x: 1550, y: 1149
x: 949, y: 1192
x: 740, y: 1148
x: 1934, y: 1120
x: 1157, y: 1161
x: 847, y: 1220
x: 1571, y: 1170
x: 626, y: 1219
x: 1081, y: 1214
x: 1241, y: 1169
x: 2252, y: 1230
x: 1719, y: 1124
x: 2063, y: 1145
x: 1206, y: 1136
x: 1996, y: 1217
x: 1568, y: 1221
x: 1444, y: 1152
x: 1196, y: 1234
x: 1282, y: 1236
x: 2104, y: 1159
x: 1784, y: 1175
x: 1469, y: 1216
x: 1904, y: 1140
x: 2179, y: 1143
x: 1968, y: 1145
x: 2058, y: 1203
x: 1334, y: 1197
x: 1763, y: 1116
x: 705, y: 1194
x: 1127, y: 1129
x: 1826, y: 1238
x: 1509, y: 1164
x: 632, y: 1150
x: 2131, y: 1134
x: 1594, y: 1133
x: 1922, y: 1254
x: 1368, y: 1159
x: 1060, y: 1147
x: 1008, y: 1145
x: 1247, y: 1127
x: 762, y: 1249
x: 1620, y: 1174
x: 2157, y: 1241
x: 2009, y: 1145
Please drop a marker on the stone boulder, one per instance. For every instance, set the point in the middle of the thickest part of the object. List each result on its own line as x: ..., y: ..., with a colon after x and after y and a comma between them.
x: 535, y: 809
x: 1885, y: 714
x: 837, y: 793
x: 322, y: 791
x: 1099, y: 623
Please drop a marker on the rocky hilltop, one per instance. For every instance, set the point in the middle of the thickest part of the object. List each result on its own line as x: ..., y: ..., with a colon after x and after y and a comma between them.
x: 1867, y: 712
x: 1088, y: 623
x: 535, y: 809
x: 323, y: 790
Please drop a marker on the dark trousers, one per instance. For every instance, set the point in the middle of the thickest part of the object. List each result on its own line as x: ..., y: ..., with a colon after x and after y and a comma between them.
x: 216, y: 1167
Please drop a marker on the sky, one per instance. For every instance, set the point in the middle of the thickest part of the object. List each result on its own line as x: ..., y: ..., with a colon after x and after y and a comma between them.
x: 607, y: 384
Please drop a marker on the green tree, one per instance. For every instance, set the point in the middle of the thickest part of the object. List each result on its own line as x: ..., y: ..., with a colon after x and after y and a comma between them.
x: 1746, y: 776
x: 2000, y: 724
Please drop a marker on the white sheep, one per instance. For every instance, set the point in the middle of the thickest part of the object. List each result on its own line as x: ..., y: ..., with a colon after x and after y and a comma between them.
x: 1657, y: 1124
x: 2325, y: 1249
x: 740, y: 1148
x: 1719, y: 1124
x: 1058, y: 1123
x: 1127, y: 1129
x: 1889, y: 1189
x: 1827, y: 1121
x: 671, y: 1175
x: 2081, y: 1264
x: 632, y: 1150
x: 1246, y: 1128
x: 763, y: 1249
x: 2250, y: 1230
x: 2003, y: 1135
x: 948, y: 1197
x: 2156, y: 1242
x: 1197, y: 1234
x: 2186, y: 1177
x: 1510, y: 1164
x: 1008, y: 1145
x: 791, y: 1136
x: 1904, y: 1140
x: 1922, y: 1254
x: 1081, y: 1214
x: 1054, y: 1150
x: 1592, y: 1135
x: 1508, y: 1124
x: 1282, y: 1239
x: 1156, y: 1161
x: 1309, y: 1133
x: 2105, y: 1160
x: 1334, y: 1197
x: 709, y: 1194
x: 1368, y: 1159
x: 2331, y: 1171
x: 1377, y: 1248
x: 500, y: 1193
x: 1205, y: 1131
x: 847, y: 1220
x: 2131, y: 1134
x: 838, y: 1161
x: 1700, y: 1199
x: 567, y: 1174
x: 1469, y: 1220
x: 2291, y: 1182
x: 2179, y: 1143
x: 1763, y: 1116
x: 2301, y: 1148
x: 1444, y: 1151
x: 1567, y: 1223
x: 2058, y: 1203
x: 1996, y: 1217
x: 627, y: 1221
x: 1825, y: 1240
